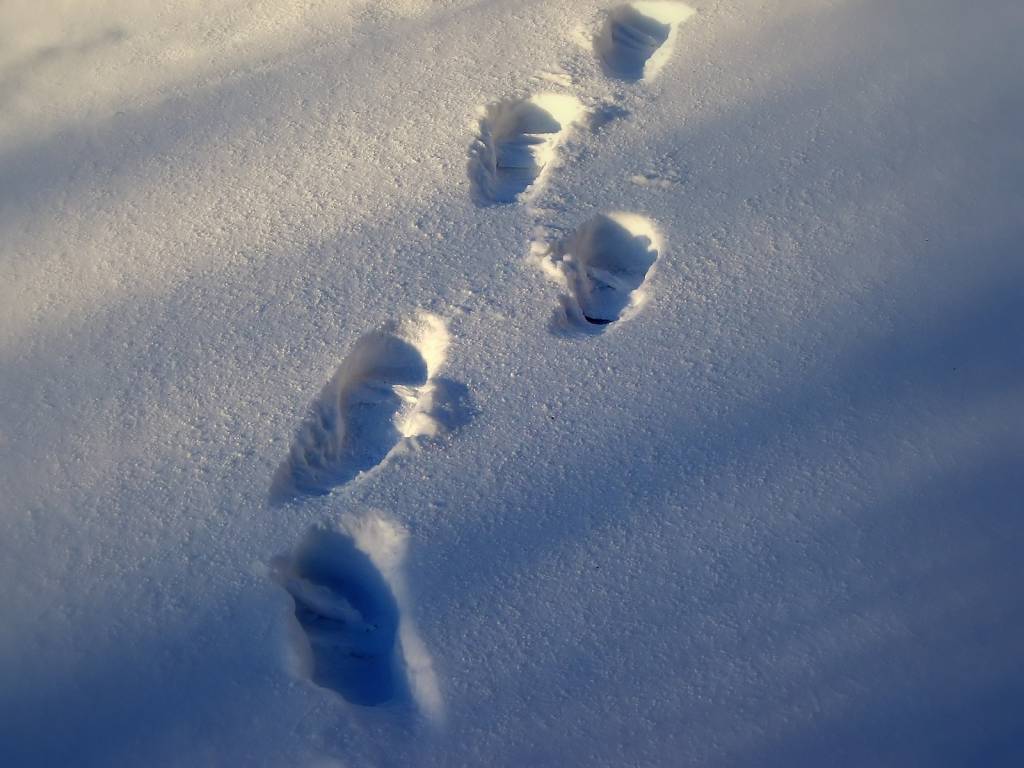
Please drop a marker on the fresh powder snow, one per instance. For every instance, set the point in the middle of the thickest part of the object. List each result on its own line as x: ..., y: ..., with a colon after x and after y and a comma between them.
x: 447, y: 383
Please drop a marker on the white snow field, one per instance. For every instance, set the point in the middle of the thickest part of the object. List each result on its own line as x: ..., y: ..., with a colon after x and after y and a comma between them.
x: 511, y: 383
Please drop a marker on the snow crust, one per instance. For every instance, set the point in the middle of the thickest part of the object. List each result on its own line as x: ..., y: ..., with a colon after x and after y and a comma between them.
x: 767, y: 514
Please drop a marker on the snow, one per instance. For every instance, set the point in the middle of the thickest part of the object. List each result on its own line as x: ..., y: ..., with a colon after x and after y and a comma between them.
x: 768, y: 515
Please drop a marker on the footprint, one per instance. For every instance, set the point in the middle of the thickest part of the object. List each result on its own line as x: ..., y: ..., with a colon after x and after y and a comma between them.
x: 348, y: 616
x: 604, y: 266
x: 635, y: 40
x: 517, y: 142
x: 383, y: 393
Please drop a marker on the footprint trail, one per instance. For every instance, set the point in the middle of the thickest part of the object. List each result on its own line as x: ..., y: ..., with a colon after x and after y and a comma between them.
x: 352, y: 635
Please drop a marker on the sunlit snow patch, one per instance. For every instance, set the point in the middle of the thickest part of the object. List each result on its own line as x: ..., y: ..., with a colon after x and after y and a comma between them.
x: 517, y: 143
x: 352, y: 634
x: 604, y: 267
x: 636, y: 38
x: 385, y: 392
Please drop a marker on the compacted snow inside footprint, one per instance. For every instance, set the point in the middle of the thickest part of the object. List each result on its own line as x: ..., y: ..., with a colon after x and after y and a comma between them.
x: 632, y: 42
x: 517, y: 141
x: 348, y: 616
x: 375, y: 399
x: 604, y: 266
x: 352, y: 631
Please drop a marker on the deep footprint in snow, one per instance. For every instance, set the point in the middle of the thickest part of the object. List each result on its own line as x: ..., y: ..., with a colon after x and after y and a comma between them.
x: 348, y: 616
x: 517, y: 142
x: 632, y: 44
x: 383, y: 392
x: 604, y: 266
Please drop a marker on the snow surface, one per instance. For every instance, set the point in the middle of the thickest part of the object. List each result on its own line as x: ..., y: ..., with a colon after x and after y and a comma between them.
x: 769, y: 516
